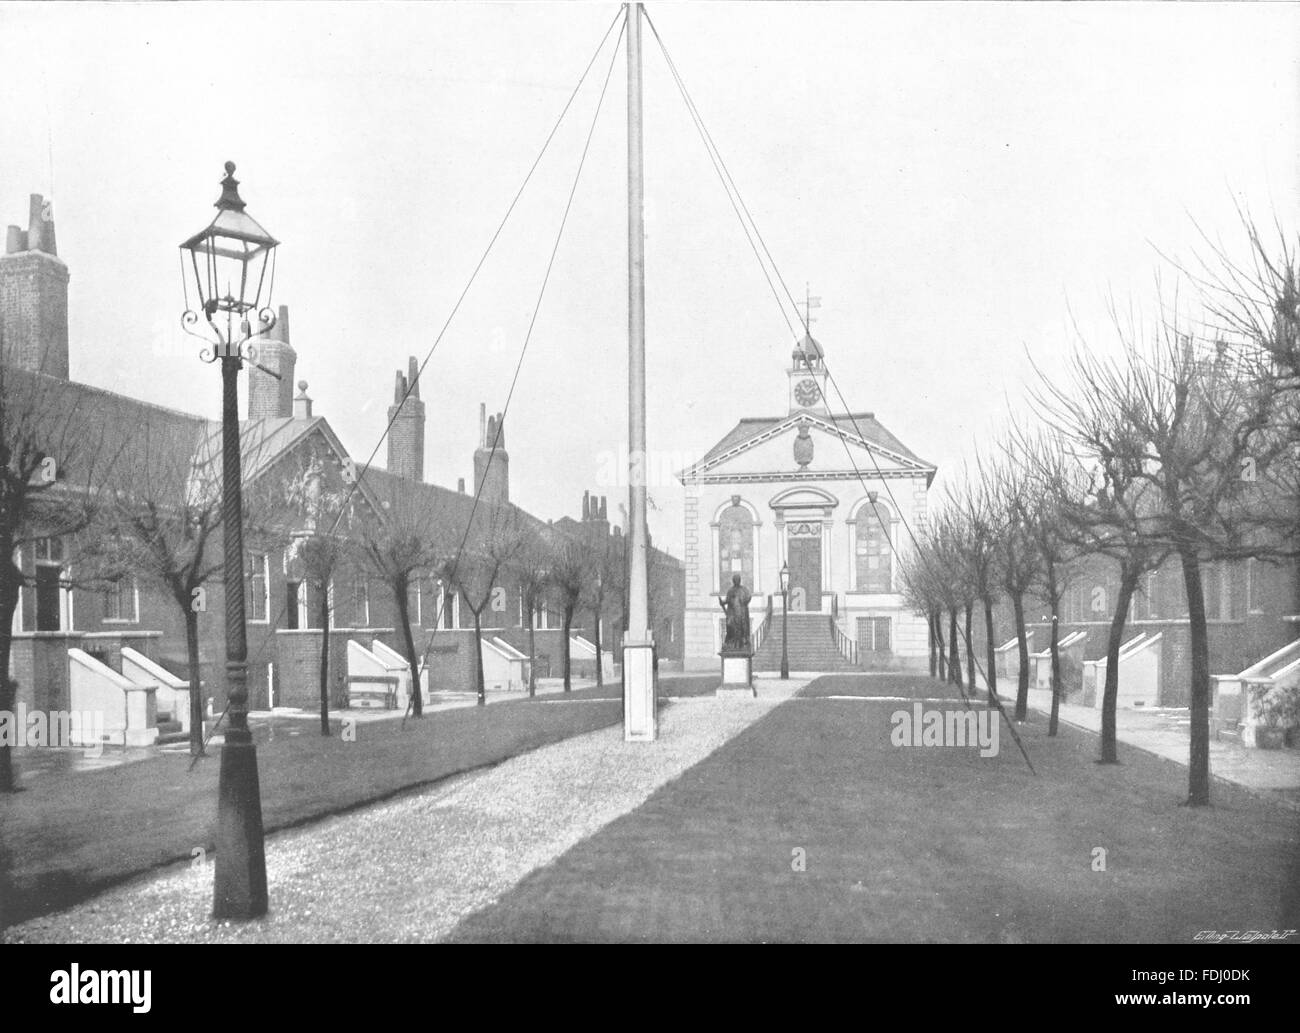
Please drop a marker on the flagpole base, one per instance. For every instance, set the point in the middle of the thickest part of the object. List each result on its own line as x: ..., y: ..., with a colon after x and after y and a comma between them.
x: 640, y: 710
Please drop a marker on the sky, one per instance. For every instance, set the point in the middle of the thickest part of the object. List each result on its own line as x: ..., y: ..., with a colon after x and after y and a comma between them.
x: 966, y: 187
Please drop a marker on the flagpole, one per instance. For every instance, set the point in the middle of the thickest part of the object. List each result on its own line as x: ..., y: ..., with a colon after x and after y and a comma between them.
x: 640, y: 720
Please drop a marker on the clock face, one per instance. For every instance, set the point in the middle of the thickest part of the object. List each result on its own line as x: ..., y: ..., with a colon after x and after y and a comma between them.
x: 806, y: 393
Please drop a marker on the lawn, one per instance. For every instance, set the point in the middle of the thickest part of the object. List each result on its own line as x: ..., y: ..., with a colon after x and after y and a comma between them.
x: 912, y: 844
x: 70, y: 835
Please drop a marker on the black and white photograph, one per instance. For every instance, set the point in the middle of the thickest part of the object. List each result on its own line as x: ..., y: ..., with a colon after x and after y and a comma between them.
x: 660, y: 473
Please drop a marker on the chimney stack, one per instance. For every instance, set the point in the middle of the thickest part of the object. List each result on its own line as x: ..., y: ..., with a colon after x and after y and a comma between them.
x: 268, y: 398
x: 406, y: 425
x: 34, y: 295
x: 492, y: 468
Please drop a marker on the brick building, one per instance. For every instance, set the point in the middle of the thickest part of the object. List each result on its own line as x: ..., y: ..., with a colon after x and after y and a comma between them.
x: 284, y: 443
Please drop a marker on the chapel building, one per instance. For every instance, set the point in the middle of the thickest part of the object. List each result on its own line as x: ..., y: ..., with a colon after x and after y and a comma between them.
x: 825, y: 495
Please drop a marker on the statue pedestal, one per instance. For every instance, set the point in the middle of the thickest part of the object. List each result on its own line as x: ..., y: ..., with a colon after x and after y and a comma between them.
x: 737, y: 674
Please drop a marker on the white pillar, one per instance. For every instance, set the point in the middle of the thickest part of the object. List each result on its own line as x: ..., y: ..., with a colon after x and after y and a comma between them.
x: 640, y: 717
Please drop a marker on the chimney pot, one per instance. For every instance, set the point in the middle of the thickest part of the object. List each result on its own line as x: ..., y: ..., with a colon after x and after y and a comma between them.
x: 413, y: 376
x: 460, y: 485
x: 282, y: 324
x: 15, y: 240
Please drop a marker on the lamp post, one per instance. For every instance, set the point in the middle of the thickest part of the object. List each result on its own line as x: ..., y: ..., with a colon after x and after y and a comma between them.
x: 785, y: 608
x: 230, y: 259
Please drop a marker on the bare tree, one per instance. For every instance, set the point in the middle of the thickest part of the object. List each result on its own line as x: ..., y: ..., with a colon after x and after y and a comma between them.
x: 1108, y: 510
x: 922, y: 592
x: 531, y: 569
x: 161, y: 525
x: 952, y: 586
x: 319, y: 550
x: 54, y: 460
x: 984, y: 529
x: 1018, y: 560
x: 404, y: 538
x: 571, y: 575
x: 1194, y: 426
x: 491, y: 543
x: 1055, y: 491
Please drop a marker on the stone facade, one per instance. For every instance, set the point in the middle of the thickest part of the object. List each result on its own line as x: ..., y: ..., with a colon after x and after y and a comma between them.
x: 824, y: 495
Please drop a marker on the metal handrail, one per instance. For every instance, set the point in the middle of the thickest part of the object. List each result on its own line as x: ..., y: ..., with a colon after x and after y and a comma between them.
x: 847, y: 647
x: 761, y: 631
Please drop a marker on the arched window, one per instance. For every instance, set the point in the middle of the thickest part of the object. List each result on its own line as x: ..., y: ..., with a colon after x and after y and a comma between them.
x: 735, y: 547
x: 871, y: 549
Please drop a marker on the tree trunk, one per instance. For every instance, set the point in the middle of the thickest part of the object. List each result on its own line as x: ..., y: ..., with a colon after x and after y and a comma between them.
x: 970, y: 653
x: 1022, y: 650
x: 478, y: 655
x: 934, y: 652
x: 1053, y: 596
x: 990, y: 655
x: 954, y: 653
x: 568, y: 623
x: 8, y: 688
x: 532, y: 651
x: 1198, y: 771
x: 412, y: 660
x: 936, y: 621
x: 324, y: 660
x: 600, y: 677
x: 1128, y: 580
x: 196, y: 680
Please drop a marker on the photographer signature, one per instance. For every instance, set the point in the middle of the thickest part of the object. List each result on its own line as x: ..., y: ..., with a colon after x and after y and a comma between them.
x: 1249, y: 936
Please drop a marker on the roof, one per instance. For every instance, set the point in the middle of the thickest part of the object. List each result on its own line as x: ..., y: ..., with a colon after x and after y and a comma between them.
x: 862, y: 424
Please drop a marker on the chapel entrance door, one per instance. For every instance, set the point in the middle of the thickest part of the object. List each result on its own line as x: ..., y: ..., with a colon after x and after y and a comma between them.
x: 805, y: 558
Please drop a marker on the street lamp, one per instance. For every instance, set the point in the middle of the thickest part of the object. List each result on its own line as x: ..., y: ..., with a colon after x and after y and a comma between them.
x: 230, y: 259
x: 785, y: 608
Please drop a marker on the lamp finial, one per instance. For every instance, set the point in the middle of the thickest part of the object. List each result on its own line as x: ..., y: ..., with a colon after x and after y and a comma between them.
x: 230, y: 199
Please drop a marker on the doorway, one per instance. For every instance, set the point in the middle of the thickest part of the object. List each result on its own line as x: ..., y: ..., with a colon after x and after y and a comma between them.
x: 805, y: 560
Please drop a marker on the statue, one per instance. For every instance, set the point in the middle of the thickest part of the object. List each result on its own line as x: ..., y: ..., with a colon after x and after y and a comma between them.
x: 735, y: 604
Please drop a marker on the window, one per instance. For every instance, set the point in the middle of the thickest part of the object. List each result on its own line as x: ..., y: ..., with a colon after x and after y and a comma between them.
x: 294, y: 604
x: 448, y: 606
x: 53, y: 598
x: 121, y: 601
x: 1252, y: 586
x: 871, y: 551
x: 259, y: 587
x: 361, y: 603
x: 873, y: 634
x: 413, y: 601
x: 1211, y: 577
x: 735, y: 547
x: 49, y: 550
x: 1153, y: 594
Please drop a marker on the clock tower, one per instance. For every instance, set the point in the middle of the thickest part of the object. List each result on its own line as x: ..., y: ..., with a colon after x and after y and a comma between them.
x: 807, y: 375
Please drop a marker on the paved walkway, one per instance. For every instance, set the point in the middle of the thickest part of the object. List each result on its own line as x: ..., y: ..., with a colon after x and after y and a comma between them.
x: 1163, y: 731
x: 409, y: 869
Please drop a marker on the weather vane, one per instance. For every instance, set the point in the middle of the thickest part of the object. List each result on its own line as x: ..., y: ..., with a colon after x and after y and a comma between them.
x: 809, y: 304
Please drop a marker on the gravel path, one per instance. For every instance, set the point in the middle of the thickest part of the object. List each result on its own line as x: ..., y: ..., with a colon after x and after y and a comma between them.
x: 409, y: 869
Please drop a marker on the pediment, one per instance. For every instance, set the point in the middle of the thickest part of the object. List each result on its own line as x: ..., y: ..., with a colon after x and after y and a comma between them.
x: 840, y: 448
x: 803, y: 497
